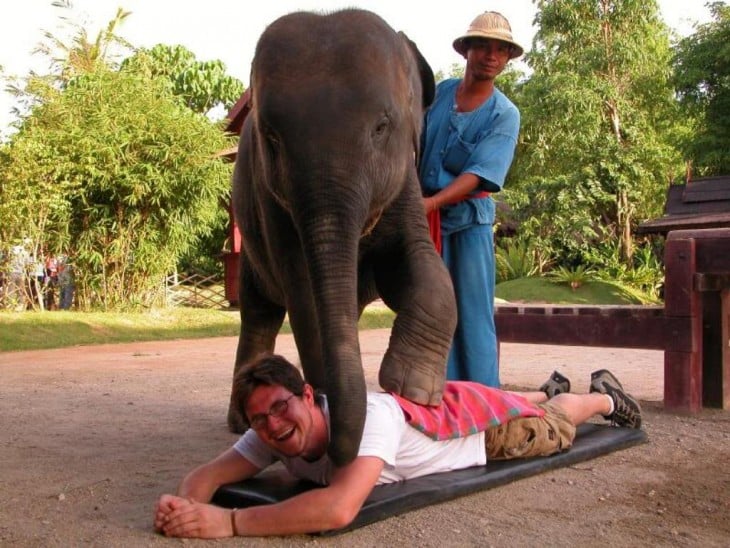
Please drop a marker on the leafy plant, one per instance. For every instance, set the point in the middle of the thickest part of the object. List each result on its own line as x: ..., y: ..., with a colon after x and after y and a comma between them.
x: 112, y: 167
x: 114, y: 171
x: 560, y: 219
x: 702, y: 79
x: 599, y: 121
x: 574, y: 277
x: 645, y: 274
x: 202, y: 85
x: 516, y: 258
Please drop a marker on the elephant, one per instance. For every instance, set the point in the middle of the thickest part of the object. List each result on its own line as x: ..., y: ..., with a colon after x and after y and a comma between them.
x: 326, y: 195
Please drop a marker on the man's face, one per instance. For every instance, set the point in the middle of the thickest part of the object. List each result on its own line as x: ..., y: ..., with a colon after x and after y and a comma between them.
x: 486, y: 58
x: 287, y: 427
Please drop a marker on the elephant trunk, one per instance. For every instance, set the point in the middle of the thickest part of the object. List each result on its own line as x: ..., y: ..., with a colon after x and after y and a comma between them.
x: 330, y: 242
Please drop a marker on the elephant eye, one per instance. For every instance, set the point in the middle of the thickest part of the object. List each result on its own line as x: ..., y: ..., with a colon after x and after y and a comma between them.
x: 272, y: 139
x: 273, y: 145
x: 382, y: 127
x: 268, y: 134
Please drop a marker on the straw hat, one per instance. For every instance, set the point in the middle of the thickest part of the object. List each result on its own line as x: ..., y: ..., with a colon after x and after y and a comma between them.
x: 489, y: 24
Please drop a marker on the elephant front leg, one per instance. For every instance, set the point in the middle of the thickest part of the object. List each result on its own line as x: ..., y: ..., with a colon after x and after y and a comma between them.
x: 421, y: 293
x: 261, y: 320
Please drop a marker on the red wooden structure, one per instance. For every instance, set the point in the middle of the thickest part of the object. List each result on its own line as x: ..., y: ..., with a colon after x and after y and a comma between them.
x: 230, y: 258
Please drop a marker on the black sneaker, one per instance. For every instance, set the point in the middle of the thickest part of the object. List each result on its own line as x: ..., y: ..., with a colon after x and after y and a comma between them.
x: 603, y: 374
x: 627, y: 411
x: 556, y: 384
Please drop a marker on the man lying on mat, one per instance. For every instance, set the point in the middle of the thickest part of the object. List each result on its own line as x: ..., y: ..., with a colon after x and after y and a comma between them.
x: 401, y: 440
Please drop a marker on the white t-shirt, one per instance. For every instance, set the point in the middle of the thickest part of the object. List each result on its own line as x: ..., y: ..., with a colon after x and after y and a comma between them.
x: 406, y: 452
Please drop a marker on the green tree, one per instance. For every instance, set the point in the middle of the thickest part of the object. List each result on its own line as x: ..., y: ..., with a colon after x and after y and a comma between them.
x: 69, y: 57
x: 118, y: 174
x: 506, y: 82
x: 702, y: 79
x: 597, y: 116
x: 83, y: 54
x: 40, y: 201
x: 456, y: 70
x: 203, y: 85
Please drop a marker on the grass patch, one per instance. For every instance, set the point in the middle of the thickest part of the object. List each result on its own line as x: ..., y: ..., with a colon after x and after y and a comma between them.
x: 376, y: 318
x: 44, y: 330
x: 40, y: 330
x: 542, y: 290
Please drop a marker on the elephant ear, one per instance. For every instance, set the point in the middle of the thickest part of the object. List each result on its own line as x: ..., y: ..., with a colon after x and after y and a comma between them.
x: 428, y: 82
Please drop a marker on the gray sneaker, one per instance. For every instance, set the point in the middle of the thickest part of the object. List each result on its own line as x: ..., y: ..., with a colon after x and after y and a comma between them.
x: 556, y: 384
x: 627, y: 411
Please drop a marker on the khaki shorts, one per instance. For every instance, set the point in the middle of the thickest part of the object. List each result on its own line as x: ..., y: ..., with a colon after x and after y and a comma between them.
x: 531, y: 436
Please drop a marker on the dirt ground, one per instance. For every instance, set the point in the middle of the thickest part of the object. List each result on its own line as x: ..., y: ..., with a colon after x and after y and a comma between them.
x: 90, y: 436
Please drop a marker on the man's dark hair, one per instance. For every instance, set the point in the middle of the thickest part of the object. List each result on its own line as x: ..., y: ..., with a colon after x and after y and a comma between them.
x: 265, y: 370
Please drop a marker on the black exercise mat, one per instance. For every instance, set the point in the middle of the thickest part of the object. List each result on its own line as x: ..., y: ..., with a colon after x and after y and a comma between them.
x: 385, y: 501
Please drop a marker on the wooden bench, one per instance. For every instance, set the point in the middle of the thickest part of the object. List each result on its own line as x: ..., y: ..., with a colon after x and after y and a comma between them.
x: 693, y: 327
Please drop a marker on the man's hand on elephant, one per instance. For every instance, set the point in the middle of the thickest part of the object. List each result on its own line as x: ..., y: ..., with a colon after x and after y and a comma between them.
x: 179, y: 517
x: 429, y: 204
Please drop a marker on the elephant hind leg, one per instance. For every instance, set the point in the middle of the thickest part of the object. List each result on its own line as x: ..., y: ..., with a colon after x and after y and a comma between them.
x: 261, y: 320
x: 255, y: 339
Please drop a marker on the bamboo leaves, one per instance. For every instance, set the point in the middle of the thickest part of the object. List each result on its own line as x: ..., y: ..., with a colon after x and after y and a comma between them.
x: 124, y: 177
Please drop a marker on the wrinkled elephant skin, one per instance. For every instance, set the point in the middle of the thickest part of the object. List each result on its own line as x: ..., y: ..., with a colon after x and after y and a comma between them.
x: 326, y: 195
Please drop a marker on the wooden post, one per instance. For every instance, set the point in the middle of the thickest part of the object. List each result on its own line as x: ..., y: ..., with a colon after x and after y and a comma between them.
x: 725, y: 298
x: 697, y: 281
x: 682, y: 369
x: 712, y: 383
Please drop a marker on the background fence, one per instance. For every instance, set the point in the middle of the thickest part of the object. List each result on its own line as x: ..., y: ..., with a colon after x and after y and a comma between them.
x: 195, y: 290
x: 20, y: 292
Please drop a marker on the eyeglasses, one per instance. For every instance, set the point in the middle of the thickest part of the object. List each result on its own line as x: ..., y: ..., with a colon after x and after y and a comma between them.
x: 277, y: 409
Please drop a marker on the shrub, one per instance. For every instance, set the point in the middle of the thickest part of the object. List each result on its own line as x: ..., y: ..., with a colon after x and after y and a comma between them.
x: 574, y: 277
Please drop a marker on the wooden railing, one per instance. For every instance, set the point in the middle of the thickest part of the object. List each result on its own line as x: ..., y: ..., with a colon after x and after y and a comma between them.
x: 693, y: 327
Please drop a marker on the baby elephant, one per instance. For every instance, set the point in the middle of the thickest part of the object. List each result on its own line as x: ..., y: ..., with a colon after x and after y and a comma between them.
x: 326, y: 194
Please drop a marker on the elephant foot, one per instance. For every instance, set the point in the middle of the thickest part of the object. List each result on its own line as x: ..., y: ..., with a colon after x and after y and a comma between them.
x: 416, y: 383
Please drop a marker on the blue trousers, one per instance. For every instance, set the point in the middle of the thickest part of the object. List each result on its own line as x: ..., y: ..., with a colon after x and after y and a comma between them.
x: 469, y: 257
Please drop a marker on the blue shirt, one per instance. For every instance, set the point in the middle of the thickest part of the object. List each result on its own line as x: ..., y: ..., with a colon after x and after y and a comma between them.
x: 481, y: 142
